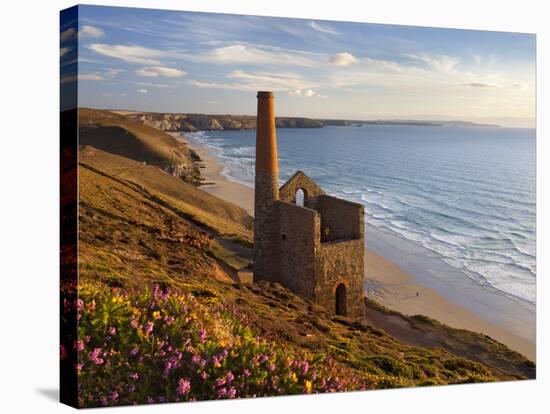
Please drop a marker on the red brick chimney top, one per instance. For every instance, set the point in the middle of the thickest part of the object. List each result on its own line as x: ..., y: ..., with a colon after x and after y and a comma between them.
x: 266, y: 140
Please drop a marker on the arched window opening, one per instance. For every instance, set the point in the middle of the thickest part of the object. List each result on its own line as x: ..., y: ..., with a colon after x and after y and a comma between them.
x: 300, y: 197
x: 341, y: 299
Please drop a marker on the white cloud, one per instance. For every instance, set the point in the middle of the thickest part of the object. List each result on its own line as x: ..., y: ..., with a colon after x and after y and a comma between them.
x: 110, y: 73
x: 132, y: 54
x: 253, y: 55
x: 91, y: 32
x: 392, y: 74
x: 216, y: 85
x: 154, y: 71
x: 96, y: 76
x: 113, y: 94
x: 307, y: 93
x: 519, y: 86
x: 64, y: 50
x: 246, y: 81
x: 342, y: 59
x: 270, y: 81
x: 441, y: 63
x: 481, y: 85
x: 232, y: 53
x: 322, y: 28
x: 386, y: 66
x: 143, y: 90
x: 155, y: 85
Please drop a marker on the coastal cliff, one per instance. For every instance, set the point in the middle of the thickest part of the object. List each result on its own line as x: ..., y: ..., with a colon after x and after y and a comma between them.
x: 159, y: 263
x: 172, y: 122
x: 202, y: 122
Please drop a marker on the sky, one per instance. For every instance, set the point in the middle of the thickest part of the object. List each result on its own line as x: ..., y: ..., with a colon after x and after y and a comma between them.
x: 172, y: 61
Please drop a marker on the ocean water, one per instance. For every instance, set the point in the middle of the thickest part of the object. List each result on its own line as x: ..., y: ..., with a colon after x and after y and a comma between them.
x: 464, y: 195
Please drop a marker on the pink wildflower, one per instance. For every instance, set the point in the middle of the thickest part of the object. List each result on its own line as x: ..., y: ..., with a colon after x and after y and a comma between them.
x: 94, y: 356
x: 202, y: 335
x: 184, y: 386
x: 167, y: 368
x: 229, y: 377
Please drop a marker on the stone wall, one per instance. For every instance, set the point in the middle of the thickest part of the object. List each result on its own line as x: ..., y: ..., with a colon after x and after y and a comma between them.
x: 265, y: 226
x: 340, y: 219
x: 289, y: 248
x: 312, y: 192
x: 298, y: 239
x: 340, y: 262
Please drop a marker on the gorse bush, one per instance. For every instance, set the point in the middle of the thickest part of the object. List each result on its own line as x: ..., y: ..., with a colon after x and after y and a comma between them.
x: 157, y: 345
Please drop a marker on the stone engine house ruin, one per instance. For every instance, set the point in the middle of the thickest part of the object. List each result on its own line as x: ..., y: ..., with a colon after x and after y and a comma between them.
x: 304, y: 239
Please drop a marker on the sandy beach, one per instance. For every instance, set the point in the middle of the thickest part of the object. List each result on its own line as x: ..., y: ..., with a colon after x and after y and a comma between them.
x: 397, y: 290
x: 218, y: 185
x: 387, y: 283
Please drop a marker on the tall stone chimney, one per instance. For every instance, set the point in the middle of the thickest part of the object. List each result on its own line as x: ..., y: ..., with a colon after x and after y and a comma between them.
x: 266, y: 190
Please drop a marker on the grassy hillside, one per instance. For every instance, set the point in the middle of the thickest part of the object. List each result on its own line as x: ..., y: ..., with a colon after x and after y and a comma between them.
x: 137, y: 222
x: 423, y: 331
x: 141, y: 228
x: 131, y: 139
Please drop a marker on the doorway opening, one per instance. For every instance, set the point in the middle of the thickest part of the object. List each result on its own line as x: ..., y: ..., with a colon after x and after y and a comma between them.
x: 341, y: 300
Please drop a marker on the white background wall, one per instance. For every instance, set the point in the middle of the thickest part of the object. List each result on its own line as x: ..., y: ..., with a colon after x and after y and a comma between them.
x: 29, y: 223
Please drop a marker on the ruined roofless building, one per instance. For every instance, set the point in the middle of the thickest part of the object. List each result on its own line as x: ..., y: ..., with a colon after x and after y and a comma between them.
x: 315, y: 249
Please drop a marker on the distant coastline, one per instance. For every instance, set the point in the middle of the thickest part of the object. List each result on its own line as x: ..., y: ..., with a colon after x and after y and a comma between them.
x: 184, y: 122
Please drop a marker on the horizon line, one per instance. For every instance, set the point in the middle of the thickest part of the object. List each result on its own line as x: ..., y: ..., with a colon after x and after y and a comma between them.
x: 387, y: 118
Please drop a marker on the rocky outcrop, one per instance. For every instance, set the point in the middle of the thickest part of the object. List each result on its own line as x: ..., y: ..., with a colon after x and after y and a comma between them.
x: 298, y: 123
x: 204, y: 122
